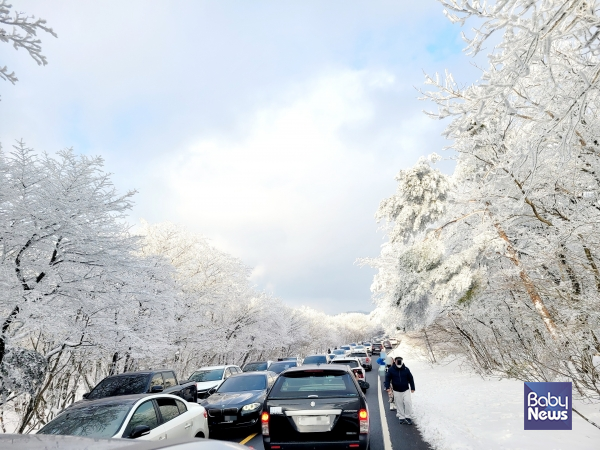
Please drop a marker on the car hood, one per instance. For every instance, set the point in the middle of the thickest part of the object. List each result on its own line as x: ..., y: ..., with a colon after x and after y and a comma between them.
x: 205, y: 385
x: 232, y: 399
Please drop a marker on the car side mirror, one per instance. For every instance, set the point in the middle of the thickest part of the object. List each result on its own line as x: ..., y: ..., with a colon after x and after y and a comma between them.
x: 86, y: 395
x: 212, y: 390
x: 138, y: 431
x: 156, y: 389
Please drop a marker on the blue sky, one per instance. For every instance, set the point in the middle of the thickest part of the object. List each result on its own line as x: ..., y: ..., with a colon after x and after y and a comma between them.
x: 273, y: 128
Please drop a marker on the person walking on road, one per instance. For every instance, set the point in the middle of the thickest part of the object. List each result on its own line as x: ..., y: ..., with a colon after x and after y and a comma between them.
x: 388, y: 363
x: 401, y: 379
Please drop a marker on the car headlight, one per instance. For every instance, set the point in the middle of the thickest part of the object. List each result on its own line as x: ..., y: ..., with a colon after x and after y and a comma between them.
x: 251, y: 407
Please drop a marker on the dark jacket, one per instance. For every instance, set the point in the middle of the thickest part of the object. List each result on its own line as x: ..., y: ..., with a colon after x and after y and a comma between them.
x: 400, y: 378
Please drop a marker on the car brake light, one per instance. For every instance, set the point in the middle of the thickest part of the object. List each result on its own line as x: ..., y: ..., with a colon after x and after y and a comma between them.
x: 363, y: 421
x: 205, y: 415
x: 264, y: 420
x: 368, y: 359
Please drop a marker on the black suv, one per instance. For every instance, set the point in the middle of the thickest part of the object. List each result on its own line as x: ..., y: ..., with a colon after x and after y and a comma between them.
x: 316, y: 406
x: 376, y: 349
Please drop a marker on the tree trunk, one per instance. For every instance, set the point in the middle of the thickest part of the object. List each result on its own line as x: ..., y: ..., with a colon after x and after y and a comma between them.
x: 429, y: 345
x: 5, y: 326
x: 113, y: 364
x: 535, y: 297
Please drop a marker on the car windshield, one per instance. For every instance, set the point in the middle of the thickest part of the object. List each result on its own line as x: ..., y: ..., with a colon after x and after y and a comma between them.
x: 367, y: 343
x: 242, y: 384
x: 315, y: 359
x: 350, y: 363
x: 345, y: 347
x: 120, y: 385
x: 254, y: 367
x: 320, y: 383
x: 99, y: 421
x: 279, y: 367
x: 207, y: 375
x: 339, y: 352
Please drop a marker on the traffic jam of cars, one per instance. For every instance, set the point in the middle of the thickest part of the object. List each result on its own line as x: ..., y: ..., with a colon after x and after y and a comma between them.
x: 310, y: 402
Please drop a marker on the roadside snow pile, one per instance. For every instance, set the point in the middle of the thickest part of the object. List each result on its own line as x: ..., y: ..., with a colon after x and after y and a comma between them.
x: 456, y: 410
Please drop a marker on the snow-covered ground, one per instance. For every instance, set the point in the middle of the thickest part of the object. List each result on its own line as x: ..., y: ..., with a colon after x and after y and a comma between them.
x: 455, y: 410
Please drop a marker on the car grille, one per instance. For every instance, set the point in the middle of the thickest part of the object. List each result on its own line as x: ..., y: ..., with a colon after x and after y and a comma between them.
x: 214, y: 412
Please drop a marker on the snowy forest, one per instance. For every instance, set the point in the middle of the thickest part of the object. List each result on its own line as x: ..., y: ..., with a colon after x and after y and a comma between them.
x: 499, y: 262
x: 82, y: 296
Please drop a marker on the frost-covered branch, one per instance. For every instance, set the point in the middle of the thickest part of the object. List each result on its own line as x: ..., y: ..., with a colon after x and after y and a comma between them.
x: 21, y: 31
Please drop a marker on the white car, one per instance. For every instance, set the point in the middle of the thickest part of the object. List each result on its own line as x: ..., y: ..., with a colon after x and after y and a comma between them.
x: 394, y: 341
x: 210, y: 378
x: 354, y: 364
x: 151, y: 417
x: 346, y: 348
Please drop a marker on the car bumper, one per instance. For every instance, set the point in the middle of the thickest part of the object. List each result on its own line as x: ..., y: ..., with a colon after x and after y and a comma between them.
x: 361, y: 444
x: 240, y: 422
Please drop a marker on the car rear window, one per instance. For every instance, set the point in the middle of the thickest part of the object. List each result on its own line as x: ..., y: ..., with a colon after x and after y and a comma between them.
x: 359, y: 355
x: 98, y: 421
x: 254, y: 367
x: 120, y: 385
x: 315, y: 359
x: 320, y: 383
x: 279, y: 367
x: 351, y: 363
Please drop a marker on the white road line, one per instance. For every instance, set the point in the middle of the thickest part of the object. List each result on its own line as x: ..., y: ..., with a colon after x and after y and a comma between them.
x: 387, y: 441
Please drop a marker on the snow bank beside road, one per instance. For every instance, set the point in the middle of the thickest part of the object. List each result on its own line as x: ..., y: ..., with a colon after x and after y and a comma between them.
x: 457, y: 410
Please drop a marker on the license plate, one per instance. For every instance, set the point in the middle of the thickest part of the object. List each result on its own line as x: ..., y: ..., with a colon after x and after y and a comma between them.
x: 313, y: 420
x: 230, y: 418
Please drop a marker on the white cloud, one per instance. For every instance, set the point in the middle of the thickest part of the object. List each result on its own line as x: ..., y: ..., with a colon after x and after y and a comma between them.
x: 289, y: 194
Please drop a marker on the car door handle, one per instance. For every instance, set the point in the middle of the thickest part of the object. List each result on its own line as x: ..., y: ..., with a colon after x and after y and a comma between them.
x: 188, y: 425
x: 160, y: 438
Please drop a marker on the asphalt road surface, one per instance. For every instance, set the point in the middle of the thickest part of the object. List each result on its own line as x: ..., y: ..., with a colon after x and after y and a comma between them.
x: 386, y: 435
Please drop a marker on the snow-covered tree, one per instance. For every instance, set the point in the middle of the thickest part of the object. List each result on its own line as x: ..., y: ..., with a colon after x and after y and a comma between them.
x: 511, y: 263
x: 22, y: 33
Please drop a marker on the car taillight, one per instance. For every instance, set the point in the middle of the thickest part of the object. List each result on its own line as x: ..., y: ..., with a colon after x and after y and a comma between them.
x: 264, y: 420
x: 205, y: 415
x: 363, y: 421
x: 368, y: 359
